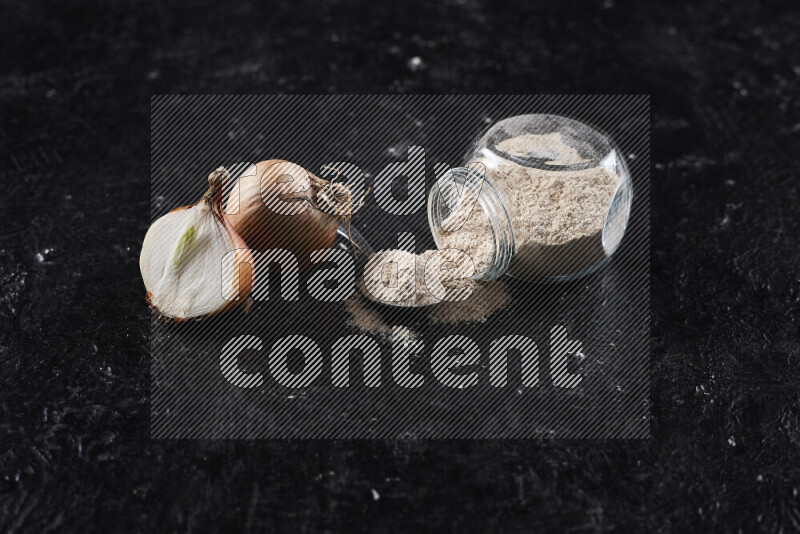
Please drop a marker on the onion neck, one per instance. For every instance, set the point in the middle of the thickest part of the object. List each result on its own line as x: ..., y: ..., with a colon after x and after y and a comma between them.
x: 216, y: 188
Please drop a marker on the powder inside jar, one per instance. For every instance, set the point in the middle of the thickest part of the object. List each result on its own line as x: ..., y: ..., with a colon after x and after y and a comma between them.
x: 468, y: 229
x: 557, y: 216
x: 550, y: 148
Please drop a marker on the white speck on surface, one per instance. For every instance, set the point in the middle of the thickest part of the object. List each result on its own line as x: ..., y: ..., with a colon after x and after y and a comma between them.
x: 375, y: 495
x: 41, y: 257
x: 732, y: 441
x: 760, y: 478
x: 416, y: 63
x: 153, y: 74
x: 50, y: 93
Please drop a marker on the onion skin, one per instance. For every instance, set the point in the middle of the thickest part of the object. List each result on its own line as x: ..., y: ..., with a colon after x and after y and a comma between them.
x: 244, y: 275
x: 264, y: 229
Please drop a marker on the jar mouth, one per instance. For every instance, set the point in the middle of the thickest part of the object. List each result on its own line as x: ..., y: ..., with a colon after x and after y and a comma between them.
x: 590, y: 142
x: 543, y: 163
x: 444, y: 197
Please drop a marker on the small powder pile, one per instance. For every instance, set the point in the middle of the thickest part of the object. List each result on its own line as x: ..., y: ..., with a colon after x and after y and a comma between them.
x: 366, y: 318
x: 397, y: 277
x: 486, y: 299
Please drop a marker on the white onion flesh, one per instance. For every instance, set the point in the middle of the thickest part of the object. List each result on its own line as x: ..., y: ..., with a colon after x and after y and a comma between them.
x: 182, y: 262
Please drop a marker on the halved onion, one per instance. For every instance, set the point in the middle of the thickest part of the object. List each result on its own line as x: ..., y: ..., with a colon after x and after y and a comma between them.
x: 193, y: 263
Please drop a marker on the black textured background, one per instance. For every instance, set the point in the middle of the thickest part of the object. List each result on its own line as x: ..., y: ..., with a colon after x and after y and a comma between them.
x: 75, y: 85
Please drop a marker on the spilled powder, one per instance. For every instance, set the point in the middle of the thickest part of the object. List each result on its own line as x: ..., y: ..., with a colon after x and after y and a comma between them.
x: 398, y: 278
x: 478, y: 300
x: 366, y: 319
x: 487, y: 299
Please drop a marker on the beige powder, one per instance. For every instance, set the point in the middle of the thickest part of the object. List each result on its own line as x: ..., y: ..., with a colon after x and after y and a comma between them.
x: 468, y: 229
x: 485, y: 299
x: 548, y: 147
x: 557, y: 216
x: 365, y: 318
x: 397, y: 277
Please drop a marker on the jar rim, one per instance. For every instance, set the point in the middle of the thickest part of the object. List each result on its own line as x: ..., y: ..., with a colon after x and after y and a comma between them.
x: 490, y: 201
x: 541, y: 163
x: 592, y: 142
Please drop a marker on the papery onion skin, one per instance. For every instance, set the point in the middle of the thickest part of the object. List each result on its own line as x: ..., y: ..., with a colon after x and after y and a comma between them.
x: 263, y: 228
x: 242, y: 275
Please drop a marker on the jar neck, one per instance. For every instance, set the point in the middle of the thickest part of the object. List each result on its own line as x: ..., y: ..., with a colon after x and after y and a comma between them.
x: 444, y: 197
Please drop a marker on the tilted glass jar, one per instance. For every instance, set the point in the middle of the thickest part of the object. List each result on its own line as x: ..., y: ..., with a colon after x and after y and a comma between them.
x: 553, y: 200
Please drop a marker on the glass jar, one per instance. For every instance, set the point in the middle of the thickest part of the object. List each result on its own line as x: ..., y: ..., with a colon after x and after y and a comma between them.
x: 541, y: 197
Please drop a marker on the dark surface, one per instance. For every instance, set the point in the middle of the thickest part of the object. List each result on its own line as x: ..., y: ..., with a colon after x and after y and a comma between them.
x: 74, y: 362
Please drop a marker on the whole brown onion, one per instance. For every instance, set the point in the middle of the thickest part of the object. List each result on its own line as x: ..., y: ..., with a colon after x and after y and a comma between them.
x: 274, y: 205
